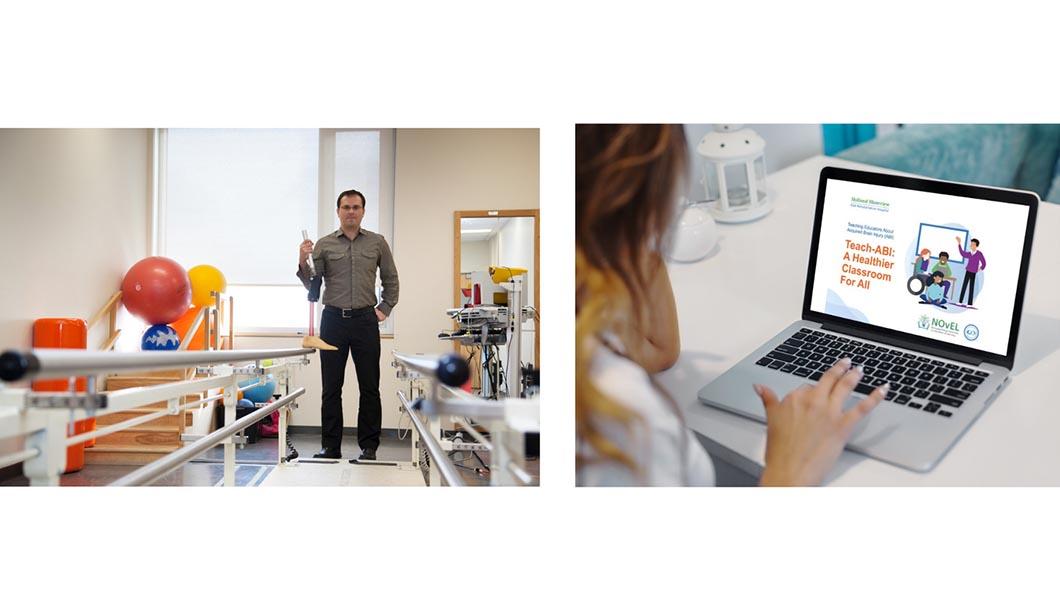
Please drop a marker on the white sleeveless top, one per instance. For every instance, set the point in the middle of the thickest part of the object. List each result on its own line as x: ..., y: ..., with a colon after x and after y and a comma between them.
x: 665, y: 451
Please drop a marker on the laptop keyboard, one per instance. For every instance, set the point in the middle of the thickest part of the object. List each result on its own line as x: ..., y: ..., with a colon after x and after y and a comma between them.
x: 917, y: 382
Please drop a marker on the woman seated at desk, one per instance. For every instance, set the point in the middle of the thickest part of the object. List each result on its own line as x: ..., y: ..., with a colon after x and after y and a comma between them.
x: 629, y: 430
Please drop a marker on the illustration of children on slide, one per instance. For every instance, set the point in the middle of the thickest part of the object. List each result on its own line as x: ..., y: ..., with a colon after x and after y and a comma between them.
x: 921, y: 277
x: 934, y: 293
x: 920, y: 266
x: 948, y: 280
x: 974, y: 263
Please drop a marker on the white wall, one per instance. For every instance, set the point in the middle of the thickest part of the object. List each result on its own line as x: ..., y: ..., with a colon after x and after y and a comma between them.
x: 516, y: 249
x: 437, y: 172
x: 786, y: 144
x: 475, y: 256
x: 74, y: 216
x: 516, y: 244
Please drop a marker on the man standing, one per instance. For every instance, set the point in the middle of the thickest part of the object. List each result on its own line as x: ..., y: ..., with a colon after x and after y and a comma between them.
x: 347, y: 259
x: 974, y: 263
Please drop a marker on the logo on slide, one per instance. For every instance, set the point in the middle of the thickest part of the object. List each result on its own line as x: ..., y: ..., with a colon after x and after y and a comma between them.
x: 971, y: 332
x: 936, y: 325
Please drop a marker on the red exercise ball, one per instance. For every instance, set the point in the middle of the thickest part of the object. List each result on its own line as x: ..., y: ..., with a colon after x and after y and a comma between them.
x: 157, y: 290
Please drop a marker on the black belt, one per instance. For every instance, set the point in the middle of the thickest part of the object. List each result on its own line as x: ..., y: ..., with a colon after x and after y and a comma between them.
x: 348, y: 313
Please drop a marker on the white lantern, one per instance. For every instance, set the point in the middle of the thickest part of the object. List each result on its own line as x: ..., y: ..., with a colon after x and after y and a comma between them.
x: 693, y: 236
x: 734, y: 170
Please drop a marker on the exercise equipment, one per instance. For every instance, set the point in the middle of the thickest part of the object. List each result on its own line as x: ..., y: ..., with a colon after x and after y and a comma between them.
x: 157, y: 290
x: 261, y: 393
x: 489, y: 327
x: 500, y: 274
x: 71, y: 334
x: 432, y: 399
x: 183, y: 325
x: 160, y: 337
x: 204, y: 280
x: 39, y: 420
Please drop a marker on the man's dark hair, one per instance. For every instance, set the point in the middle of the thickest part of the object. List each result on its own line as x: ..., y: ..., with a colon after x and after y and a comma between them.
x: 346, y: 193
x: 976, y: 241
x: 944, y: 254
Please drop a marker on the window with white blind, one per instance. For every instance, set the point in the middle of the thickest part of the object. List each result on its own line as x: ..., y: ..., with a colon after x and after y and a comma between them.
x: 238, y: 199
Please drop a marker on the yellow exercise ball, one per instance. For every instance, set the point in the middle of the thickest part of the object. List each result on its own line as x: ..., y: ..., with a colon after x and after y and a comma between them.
x: 205, y: 279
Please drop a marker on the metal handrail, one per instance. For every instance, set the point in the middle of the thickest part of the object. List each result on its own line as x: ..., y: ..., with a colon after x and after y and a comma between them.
x: 446, y: 370
x: 425, y: 365
x: 438, y: 457
x: 155, y: 470
x: 482, y: 409
x: 16, y: 366
x: 202, y: 402
x: 113, y: 428
x: 18, y: 457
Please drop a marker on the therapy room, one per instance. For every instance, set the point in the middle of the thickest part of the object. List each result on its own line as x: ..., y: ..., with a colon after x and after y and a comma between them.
x: 270, y: 307
x: 897, y: 280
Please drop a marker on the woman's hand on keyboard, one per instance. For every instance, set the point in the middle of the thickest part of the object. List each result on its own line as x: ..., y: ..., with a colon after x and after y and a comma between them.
x: 807, y: 430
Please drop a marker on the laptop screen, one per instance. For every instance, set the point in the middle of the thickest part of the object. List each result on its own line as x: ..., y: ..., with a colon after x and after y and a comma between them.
x: 938, y: 266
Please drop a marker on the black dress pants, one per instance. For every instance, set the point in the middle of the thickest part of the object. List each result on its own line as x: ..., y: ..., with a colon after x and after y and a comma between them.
x: 969, y: 283
x: 357, y: 336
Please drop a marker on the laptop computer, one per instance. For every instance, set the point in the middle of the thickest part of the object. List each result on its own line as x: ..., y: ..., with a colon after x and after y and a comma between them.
x: 920, y: 282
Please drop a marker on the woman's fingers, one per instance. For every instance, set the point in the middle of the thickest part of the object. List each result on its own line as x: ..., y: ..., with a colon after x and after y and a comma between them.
x: 769, y: 399
x: 844, y: 386
x: 832, y: 375
x: 863, y: 407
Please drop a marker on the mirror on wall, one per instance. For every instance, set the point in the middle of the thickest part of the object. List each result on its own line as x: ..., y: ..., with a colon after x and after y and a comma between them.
x: 506, y: 239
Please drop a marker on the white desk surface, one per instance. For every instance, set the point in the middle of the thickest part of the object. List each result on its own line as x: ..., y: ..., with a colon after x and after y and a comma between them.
x: 1016, y: 441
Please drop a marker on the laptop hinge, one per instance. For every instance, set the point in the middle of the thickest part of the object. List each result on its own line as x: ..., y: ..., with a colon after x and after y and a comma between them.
x: 899, y: 343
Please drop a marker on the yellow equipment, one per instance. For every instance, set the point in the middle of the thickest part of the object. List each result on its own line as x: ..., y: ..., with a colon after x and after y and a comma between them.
x: 503, y: 274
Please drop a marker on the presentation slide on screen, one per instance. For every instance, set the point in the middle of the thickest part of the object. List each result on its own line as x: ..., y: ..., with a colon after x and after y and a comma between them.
x: 938, y: 266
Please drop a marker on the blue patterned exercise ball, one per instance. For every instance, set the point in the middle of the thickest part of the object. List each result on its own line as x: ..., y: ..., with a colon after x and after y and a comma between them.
x: 160, y: 337
x: 261, y: 393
